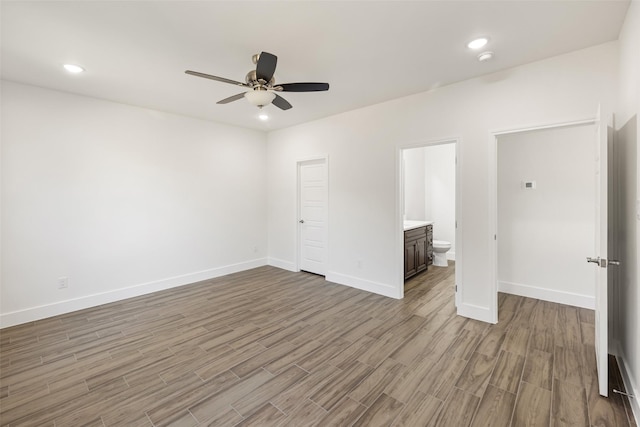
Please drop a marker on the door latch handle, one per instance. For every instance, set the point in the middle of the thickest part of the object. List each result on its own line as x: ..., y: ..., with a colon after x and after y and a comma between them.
x: 603, y: 262
x: 600, y: 261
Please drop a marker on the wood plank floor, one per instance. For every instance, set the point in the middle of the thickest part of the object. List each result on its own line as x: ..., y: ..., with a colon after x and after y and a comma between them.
x: 267, y: 347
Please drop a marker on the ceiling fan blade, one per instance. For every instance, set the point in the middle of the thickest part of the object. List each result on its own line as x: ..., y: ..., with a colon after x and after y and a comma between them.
x: 216, y: 78
x: 281, y: 103
x: 231, y: 98
x: 266, y: 66
x: 304, y: 87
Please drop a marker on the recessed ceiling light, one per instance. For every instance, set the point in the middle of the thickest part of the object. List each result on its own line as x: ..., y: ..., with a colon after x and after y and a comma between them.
x: 478, y: 43
x: 485, y: 56
x: 72, y: 68
x: 263, y: 116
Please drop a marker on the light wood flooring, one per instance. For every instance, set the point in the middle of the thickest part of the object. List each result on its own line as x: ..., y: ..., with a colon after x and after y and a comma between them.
x: 267, y: 347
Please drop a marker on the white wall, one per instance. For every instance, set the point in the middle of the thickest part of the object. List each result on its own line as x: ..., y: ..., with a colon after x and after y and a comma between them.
x: 414, y: 184
x: 363, y: 149
x: 440, y: 186
x: 626, y: 145
x: 120, y: 199
x: 544, y: 234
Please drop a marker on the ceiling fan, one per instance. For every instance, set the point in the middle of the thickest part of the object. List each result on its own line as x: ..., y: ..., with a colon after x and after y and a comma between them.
x: 262, y: 85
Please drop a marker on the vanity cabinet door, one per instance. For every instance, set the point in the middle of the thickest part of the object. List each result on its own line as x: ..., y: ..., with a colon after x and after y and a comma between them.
x: 409, y: 259
x: 416, y: 251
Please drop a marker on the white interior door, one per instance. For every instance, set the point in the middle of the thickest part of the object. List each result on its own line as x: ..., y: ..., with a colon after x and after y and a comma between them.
x: 312, y: 221
x: 600, y: 260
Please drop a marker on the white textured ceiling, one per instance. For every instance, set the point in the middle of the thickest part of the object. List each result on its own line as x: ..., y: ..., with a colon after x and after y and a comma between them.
x: 136, y: 52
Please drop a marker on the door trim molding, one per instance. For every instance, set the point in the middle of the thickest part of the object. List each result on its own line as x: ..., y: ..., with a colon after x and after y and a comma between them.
x: 299, y: 163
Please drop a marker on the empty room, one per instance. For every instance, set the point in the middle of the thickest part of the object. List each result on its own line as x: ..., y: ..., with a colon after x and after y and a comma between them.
x: 311, y: 213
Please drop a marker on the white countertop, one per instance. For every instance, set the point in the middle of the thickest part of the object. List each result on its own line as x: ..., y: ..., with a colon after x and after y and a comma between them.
x: 410, y: 224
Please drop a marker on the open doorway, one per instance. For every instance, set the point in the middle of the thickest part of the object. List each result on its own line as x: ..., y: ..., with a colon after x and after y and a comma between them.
x: 429, y: 230
x: 545, y: 227
x: 545, y: 214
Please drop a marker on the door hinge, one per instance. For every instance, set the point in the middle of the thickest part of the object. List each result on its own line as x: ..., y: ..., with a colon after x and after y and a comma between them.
x: 456, y: 288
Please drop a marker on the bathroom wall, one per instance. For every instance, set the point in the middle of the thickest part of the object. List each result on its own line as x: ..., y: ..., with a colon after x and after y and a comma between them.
x: 414, y: 184
x: 545, y: 234
x: 430, y: 189
x: 440, y: 188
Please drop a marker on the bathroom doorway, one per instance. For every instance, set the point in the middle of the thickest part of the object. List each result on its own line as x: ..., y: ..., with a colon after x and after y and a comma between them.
x: 429, y: 198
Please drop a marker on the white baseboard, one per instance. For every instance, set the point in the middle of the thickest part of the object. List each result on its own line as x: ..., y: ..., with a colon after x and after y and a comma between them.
x: 629, y: 384
x: 285, y: 265
x: 552, y: 295
x: 54, y: 309
x: 475, y: 312
x: 363, y: 284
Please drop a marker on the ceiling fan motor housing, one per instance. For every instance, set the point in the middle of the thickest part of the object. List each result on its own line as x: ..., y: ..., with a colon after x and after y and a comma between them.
x: 252, y: 80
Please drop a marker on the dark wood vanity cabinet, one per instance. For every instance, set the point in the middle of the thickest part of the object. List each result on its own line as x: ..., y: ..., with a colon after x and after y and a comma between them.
x: 418, y: 250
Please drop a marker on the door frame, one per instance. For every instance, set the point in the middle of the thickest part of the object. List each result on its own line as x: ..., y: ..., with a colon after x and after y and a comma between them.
x: 400, y: 201
x: 299, y: 163
x: 493, y: 197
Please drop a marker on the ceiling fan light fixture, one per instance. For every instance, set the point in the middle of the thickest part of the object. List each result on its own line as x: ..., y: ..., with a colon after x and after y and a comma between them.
x: 478, y: 43
x: 263, y: 116
x: 260, y: 98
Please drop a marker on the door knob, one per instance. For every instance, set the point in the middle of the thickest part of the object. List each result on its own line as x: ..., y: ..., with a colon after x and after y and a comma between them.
x: 614, y: 262
x: 301, y: 221
x: 593, y: 260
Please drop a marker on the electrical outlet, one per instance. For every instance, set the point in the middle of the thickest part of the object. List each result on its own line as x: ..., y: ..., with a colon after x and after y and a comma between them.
x: 63, y: 282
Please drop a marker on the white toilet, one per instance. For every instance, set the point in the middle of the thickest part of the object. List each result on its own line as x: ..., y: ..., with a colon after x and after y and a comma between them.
x: 440, y: 248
